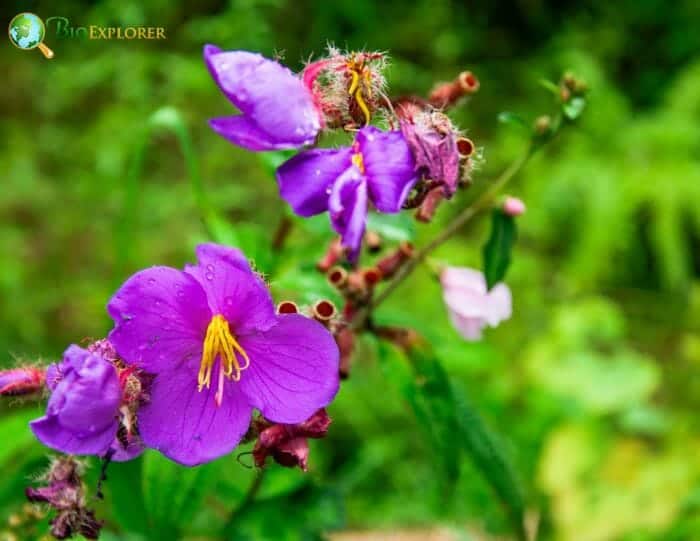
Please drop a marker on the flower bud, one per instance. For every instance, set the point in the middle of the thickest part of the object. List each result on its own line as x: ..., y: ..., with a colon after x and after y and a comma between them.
x: 22, y: 381
x: 513, y: 206
x: 371, y: 277
x: 64, y: 492
x: 346, y: 87
x: 543, y: 125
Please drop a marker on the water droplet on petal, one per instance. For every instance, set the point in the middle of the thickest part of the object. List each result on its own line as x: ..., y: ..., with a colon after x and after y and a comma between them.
x: 318, y: 172
x: 209, y: 276
x: 151, y: 281
x: 229, y: 301
x: 210, y: 268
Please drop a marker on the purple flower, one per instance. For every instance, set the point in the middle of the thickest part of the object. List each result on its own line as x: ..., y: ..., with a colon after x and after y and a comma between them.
x: 217, y: 348
x: 470, y: 305
x: 278, y: 110
x: 82, y: 415
x: 378, y: 168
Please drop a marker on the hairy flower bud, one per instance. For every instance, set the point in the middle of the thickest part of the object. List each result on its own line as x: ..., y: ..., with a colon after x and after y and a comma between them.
x: 287, y: 443
x: 22, y: 381
x: 64, y: 492
x: 346, y: 87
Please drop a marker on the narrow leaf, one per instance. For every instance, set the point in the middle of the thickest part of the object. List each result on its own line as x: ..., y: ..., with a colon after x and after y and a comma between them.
x: 487, y: 454
x: 427, y: 390
x: 496, y: 251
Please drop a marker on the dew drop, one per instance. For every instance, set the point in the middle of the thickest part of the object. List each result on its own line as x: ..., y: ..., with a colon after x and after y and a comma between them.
x: 210, y: 268
x: 228, y: 301
x: 318, y: 172
x: 209, y: 276
x: 151, y: 281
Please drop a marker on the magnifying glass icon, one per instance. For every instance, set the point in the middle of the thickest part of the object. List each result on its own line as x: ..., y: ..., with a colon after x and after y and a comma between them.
x: 27, y: 31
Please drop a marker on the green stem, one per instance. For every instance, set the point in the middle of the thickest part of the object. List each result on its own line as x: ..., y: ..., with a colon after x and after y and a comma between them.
x: 247, y: 500
x: 484, y: 201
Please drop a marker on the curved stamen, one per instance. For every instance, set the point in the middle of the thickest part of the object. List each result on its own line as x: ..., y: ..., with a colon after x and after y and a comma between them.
x: 220, y: 343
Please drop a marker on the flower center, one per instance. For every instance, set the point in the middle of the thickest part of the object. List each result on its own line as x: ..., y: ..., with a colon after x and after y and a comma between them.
x: 219, y: 342
x: 358, y: 162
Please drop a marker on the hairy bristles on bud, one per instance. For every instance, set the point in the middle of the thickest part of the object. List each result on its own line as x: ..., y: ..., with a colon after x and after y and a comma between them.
x: 372, y: 276
x: 323, y: 311
x: 287, y: 307
x: 338, y: 277
x: 465, y: 147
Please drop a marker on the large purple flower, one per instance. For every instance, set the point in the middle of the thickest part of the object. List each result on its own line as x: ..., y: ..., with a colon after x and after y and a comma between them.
x: 278, y: 110
x: 378, y: 167
x: 211, y: 337
x: 82, y: 416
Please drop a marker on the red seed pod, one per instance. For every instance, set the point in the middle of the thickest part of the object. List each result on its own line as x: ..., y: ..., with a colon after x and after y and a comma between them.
x: 426, y: 211
x: 465, y: 147
x: 394, y: 261
x: 345, y: 338
x: 338, y: 277
x: 371, y: 276
x: 447, y: 94
x: 333, y: 254
x: 287, y: 307
x: 324, y: 311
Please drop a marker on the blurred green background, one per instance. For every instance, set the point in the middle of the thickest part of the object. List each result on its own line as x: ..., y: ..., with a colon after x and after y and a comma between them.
x: 593, y: 386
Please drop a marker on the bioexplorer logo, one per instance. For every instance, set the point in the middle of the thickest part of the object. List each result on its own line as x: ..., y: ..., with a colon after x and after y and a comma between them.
x: 27, y: 31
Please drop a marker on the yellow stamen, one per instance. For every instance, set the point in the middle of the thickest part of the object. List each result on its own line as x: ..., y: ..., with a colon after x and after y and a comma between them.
x: 358, y: 162
x: 219, y: 342
x: 355, y: 89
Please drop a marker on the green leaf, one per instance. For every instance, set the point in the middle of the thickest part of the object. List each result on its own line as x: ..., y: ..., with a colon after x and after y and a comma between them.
x: 454, y: 425
x: 496, y: 251
x: 173, y: 493
x: 573, y: 108
x: 396, y: 227
x: 124, y: 491
x: 549, y: 85
x: 303, y: 515
x: 487, y: 454
x: 427, y: 390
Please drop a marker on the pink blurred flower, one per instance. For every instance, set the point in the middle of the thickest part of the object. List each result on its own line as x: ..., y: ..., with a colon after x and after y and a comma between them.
x: 470, y: 305
x: 513, y: 206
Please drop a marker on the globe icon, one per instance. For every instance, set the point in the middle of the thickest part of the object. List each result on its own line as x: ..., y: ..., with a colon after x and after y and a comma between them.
x: 27, y: 31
